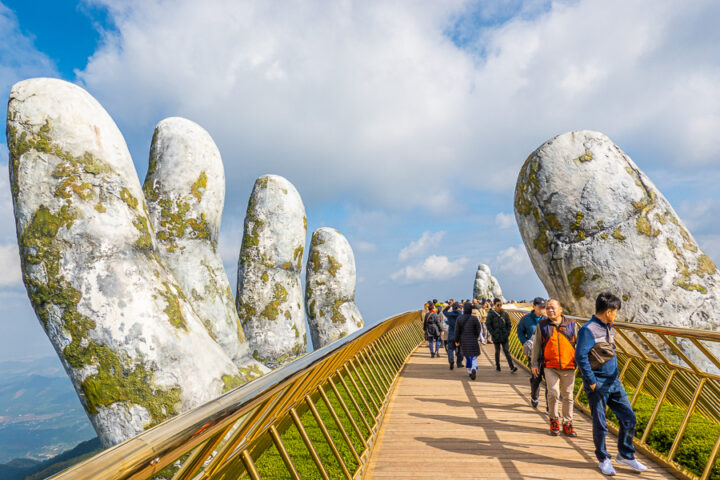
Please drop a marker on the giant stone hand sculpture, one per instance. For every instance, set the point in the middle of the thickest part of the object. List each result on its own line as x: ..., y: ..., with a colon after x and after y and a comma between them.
x: 133, y: 346
x: 592, y: 221
x: 269, y: 293
x: 330, y: 288
x: 486, y: 286
x: 185, y: 191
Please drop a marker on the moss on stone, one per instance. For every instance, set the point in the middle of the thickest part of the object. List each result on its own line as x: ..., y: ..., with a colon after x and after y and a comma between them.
x: 541, y: 242
x: 576, y: 278
x: 311, y: 309
x: 553, y: 221
x: 604, y: 236
x: 286, y: 266
x: 690, y: 247
x: 334, y: 265
x: 625, y: 298
x: 144, y: 241
x: 595, y: 277
x: 265, y: 277
x: 280, y: 296
x: 336, y: 316
x: 314, y: 261
x: 705, y: 265
x: 100, y: 207
x: 231, y: 382
x: 297, y: 256
x: 116, y: 383
x: 199, y: 186
x: 578, y: 218
x: 173, y: 309
x: 586, y: 157
x: 691, y: 286
x: 128, y: 198
x: 617, y: 234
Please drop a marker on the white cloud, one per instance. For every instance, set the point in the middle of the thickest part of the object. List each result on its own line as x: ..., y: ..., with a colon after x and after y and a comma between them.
x: 363, y: 246
x: 10, y: 266
x: 504, y: 220
x: 417, y: 247
x: 433, y: 267
x: 370, y: 100
x: 514, y: 260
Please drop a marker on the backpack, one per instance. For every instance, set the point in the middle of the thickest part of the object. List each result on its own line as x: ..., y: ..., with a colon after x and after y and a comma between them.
x: 432, y: 329
x: 527, y: 347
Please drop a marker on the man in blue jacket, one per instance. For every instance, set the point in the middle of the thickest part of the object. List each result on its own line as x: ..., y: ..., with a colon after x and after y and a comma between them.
x: 451, y: 317
x: 596, y: 342
x: 526, y: 333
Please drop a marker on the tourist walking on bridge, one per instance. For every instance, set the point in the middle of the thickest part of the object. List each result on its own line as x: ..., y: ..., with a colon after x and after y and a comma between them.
x: 467, y: 331
x: 595, y: 356
x: 554, y: 349
x: 432, y: 329
x: 499, y: 326
x: 481, y: 314
x: 451, y: 317
x: 526, y: 334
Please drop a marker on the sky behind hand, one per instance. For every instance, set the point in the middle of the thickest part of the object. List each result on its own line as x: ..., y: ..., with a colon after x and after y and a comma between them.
x: 402, y: 124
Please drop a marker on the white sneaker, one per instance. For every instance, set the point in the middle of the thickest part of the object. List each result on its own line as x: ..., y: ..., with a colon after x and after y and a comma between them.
x: 632, y: 463
x: 606, y: 467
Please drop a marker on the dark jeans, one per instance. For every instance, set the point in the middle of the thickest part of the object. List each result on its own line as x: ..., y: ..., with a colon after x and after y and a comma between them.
x: 535, y: 383
x: 434, y: 342
x: 611, y: 394
x: 506, y: 350
x: 452, y: 350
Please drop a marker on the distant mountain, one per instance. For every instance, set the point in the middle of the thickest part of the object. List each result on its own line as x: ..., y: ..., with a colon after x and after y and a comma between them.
x: 27, y: 469
x: 40, y: 414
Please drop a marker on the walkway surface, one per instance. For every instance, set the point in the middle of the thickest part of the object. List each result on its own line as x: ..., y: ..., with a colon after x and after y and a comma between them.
x: 441, y: 424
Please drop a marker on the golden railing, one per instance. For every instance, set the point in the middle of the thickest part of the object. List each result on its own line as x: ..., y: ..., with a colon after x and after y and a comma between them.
x: 329, y: 403
x: 655, y: 365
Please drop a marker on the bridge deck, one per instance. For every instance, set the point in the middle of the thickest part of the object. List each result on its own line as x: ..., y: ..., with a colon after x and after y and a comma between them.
x: 441, y: 424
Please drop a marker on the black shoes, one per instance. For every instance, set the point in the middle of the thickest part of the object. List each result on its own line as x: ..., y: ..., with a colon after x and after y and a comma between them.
x: 473, y: 374
x: 497, y: 368
x: 452, y: 365
x: 513, y: 369
x: 534, y: 403
x: 432, y: 355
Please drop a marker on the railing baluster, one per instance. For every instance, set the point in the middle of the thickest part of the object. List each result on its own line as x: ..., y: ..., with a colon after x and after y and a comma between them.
x: 706, y: 352
x: 360, y: 394
x: 327, y: 436
x: 283, y: 453
x: 367, y: 394
x: 682, y: 355
x: 686, y: 419
x: 371, y: 380
x: 308, y: 443
x: 336, y: 418
x: 711, y: 460
x: 249, y: 465
x: 640, y: 384
x: 345, y: 408
x: 373, y: 365
x: 199, y: 456
x: 383, y: 365
x: 658, y: 405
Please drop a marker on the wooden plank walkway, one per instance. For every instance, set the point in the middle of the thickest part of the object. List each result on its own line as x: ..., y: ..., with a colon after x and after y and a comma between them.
x: 441, y: 424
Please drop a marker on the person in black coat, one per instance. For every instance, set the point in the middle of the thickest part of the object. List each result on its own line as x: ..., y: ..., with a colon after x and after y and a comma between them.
x: 467, y: 331
x: 433, y: 329
x: 451, y: 317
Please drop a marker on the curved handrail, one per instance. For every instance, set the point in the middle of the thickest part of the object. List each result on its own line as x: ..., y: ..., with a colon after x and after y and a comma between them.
x: 374, y: 354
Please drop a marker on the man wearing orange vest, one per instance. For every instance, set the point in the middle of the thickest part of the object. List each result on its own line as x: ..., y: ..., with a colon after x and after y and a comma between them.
x: 554, y: 348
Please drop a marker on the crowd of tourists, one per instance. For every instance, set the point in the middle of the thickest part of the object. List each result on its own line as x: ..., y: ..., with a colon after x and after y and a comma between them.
x: 554, y: 347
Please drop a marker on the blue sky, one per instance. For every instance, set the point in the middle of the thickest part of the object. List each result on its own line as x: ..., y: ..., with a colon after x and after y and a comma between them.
x: 402, y: 123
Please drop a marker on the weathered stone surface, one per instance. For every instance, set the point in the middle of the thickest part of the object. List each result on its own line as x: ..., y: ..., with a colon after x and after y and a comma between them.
x: 592, y: 221
x: 269, y: 293
x: 185, y: 192
x: 486, y: 286
x: 130, y: 342
x: 330, y: 288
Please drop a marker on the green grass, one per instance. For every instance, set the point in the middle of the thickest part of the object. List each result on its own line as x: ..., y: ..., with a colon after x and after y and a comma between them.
x: 270, y: 463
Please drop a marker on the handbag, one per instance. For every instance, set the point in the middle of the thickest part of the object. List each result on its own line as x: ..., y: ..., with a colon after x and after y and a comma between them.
x: 601, y: 353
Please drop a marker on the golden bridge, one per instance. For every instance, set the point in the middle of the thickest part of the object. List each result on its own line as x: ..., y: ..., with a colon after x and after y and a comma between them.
x: 375, y: 405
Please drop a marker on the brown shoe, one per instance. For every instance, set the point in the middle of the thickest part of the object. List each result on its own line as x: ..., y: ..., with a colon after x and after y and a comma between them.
x: 554, y: 426
x: 569, y: 430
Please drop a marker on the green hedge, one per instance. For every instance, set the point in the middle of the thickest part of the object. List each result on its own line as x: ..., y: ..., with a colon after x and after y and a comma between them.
x: 697, y: 441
